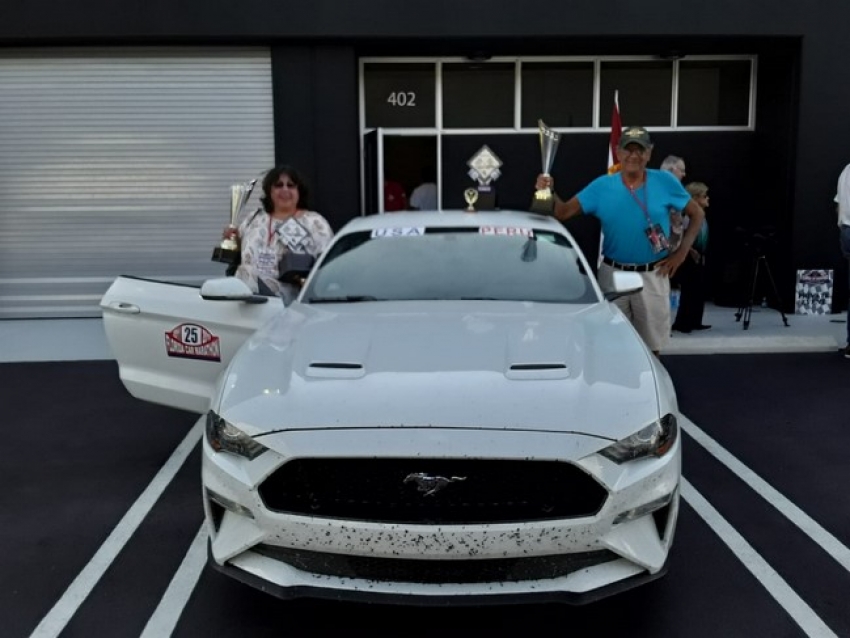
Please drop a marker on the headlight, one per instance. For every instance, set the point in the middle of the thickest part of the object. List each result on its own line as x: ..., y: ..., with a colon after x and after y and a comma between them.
x: 223, y: 437
x: 655, y: 439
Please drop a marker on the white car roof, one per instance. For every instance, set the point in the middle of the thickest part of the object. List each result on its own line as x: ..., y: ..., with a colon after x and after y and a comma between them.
x: 454, y: 218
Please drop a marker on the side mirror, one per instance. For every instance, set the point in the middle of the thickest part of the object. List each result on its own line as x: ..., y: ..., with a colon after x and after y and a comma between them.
x: 625, y: 283
x: 229, y: 289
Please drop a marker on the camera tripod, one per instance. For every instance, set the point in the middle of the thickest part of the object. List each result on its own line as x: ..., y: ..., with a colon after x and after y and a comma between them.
x: 746, y: 311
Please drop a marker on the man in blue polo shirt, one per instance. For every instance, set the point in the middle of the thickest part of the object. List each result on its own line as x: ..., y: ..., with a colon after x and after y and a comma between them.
x: 633, y: 207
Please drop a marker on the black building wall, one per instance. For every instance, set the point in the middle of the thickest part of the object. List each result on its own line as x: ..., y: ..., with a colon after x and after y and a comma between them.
x: 786, y: 176
x: 316, y: 123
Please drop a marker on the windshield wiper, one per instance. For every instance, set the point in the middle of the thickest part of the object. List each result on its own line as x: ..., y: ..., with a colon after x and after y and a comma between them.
x: 344, y: 299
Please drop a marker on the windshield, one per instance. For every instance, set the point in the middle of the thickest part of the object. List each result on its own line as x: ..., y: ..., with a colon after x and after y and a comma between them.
x: 452, y: 263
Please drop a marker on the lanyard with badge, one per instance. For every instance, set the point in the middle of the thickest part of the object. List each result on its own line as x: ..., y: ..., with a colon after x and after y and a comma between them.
x: 654, y: 233
x: 266, y: 260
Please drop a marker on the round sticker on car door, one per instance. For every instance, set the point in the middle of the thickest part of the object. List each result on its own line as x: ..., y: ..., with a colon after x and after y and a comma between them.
x: 192, y: 341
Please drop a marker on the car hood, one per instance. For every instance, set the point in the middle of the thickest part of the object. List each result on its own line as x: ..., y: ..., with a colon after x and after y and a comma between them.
x: 470, y: 365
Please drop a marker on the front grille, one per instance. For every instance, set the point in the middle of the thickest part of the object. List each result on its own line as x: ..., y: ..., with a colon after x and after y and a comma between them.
x: 491, y: 491
x: 402, y: 570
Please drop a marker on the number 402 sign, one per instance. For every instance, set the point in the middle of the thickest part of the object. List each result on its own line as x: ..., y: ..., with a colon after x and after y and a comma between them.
x: 402, y: 98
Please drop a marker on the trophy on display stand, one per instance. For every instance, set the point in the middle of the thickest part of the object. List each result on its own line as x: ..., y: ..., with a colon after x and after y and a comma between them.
x: 471, y: 196
x: 227, y: 251
x: 483, y: 168
x: 544, y: 202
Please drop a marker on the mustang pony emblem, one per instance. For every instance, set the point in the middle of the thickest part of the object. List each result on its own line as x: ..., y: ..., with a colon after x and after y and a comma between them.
x: 430, y: 485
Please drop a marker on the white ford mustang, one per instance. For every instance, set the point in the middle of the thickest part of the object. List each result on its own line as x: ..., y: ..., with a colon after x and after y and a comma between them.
x: 451, y: 412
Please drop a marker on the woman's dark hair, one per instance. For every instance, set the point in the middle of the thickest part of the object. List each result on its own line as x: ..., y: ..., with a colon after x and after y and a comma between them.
x: 271, y: 179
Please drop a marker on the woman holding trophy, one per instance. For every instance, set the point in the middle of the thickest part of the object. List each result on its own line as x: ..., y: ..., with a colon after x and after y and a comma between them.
x: 279, y: 244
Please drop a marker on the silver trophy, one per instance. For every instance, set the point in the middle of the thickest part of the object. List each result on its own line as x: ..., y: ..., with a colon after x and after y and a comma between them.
x: 484, y: 168
x: 228, y: 250
x: 544, y: 202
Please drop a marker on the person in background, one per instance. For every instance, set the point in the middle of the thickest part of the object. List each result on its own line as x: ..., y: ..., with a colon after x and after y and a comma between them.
x: 842, y: 200
x: 633, y: 207
x: 691, y: 275
x: 395, y: 199
x: 285, y: 231
x: 675, y: 165
x: 424, y: 196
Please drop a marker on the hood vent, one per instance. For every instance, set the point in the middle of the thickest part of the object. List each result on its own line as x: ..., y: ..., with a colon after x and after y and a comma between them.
x: 335, y: 370
x: 537, y: 371
x: 539, y: 366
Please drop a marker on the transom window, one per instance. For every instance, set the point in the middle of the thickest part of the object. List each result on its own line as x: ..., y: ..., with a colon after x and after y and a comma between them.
x: 456, y: 95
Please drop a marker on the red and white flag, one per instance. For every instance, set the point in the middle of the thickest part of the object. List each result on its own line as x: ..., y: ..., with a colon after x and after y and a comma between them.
x: 616, y: 131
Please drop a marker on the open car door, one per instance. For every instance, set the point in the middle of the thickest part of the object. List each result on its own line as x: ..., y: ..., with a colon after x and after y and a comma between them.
x: 172, y: 343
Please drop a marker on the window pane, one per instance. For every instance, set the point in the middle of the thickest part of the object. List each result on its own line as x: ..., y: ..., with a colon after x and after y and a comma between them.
x: 478, y: 95
x: 559, y: 93
x: 645, y: 92
x: 399, y: 95
x: 714, y: 93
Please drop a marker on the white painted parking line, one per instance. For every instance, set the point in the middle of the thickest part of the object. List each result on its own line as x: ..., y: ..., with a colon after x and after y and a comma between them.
x: 775, y: 585
x: 830, y: 544
x: 56, y: 619
x: 164, y: 618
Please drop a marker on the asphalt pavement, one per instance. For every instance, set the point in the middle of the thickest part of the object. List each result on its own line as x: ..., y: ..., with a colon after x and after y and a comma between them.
x: 103, y: 534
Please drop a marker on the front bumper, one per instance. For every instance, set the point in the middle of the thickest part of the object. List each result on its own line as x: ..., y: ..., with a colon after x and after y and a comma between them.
x: 282, y: 553
x: 500, y: 595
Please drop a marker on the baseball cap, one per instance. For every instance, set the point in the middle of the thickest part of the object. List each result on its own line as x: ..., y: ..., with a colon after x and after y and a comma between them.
x: 635, y: 135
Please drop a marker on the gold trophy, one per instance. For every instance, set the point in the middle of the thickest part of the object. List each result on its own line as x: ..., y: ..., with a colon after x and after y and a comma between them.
x: 471, y: 196
x: 543, y: 201
x: 228, y: 251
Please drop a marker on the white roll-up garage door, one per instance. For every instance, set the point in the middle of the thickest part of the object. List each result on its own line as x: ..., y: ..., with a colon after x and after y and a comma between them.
x: 117, y: 161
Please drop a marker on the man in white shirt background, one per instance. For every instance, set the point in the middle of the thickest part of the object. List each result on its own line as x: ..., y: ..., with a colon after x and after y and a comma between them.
x: 842, y: 200
x: 424, y: 196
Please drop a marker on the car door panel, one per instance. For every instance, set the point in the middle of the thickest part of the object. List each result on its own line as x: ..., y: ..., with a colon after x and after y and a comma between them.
x: 172, y: 345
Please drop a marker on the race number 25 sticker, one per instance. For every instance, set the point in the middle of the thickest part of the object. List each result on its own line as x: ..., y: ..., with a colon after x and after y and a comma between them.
x: 191, y: 341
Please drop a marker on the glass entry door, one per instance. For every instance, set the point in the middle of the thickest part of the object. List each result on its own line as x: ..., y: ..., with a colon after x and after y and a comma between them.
x: 400, y: 172
x: 410, y: 166
x: 373, y: 172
